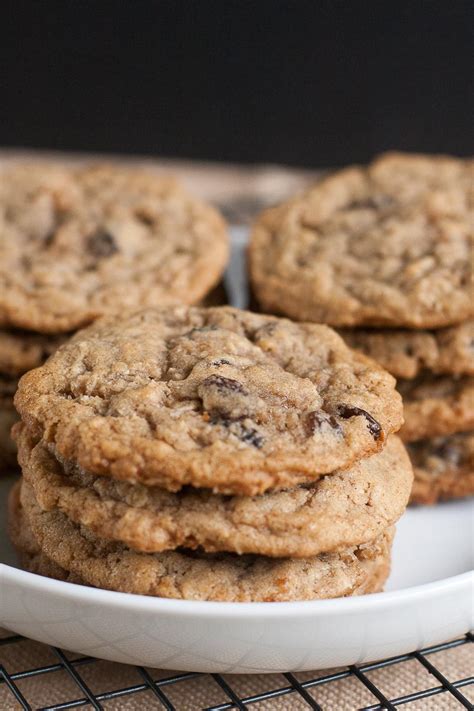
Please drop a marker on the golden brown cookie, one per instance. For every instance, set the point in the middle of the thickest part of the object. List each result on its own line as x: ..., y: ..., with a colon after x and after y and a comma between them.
x: 76, y: 243
x: 216, y: 398
x: 344, y: 509
x: 444, y: 468
x: 205, y: 576
x: 436, y: 406
x: 406, y: 354
x: 385, y: 245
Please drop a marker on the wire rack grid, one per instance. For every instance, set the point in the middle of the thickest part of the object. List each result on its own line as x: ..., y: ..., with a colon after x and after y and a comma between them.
x: 305, y: 692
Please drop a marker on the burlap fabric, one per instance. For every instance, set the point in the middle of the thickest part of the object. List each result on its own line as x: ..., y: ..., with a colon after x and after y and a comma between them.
x: 202, y: 691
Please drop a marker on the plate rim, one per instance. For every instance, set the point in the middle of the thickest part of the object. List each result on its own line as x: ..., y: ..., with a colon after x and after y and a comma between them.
x: 204, y: 608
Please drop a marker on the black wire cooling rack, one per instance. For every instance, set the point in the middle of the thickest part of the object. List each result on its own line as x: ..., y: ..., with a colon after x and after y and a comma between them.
x: 293, y: 689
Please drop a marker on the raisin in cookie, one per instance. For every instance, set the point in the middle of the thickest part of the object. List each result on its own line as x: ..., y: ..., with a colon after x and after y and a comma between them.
x: 345, y: 509
x: 436, y: 405
x: 79, y: 242
x: 406, y: 354
x: 388, y: 244
x: 192, y: 575
x: 444, y: 468
x: 217, y: 398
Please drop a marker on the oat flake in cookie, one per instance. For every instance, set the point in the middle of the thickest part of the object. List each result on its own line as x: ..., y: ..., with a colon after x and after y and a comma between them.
x: 76, y: 243
x: 218, y: 398
x: 389, y: 244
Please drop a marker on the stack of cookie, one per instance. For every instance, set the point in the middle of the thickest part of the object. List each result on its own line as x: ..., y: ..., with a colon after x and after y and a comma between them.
x: 434, y: 371
x: 213, y: 454
x: 78, y: 243
x: 386, y: 251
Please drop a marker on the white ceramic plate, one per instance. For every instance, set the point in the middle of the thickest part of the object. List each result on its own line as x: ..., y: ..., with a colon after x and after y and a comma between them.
x: 429, y: 599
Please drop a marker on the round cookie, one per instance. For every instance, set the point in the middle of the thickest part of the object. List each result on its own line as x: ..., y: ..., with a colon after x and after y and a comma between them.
x: 444, y: 468
x: 345, y: 509
x: 21, y: 351
x: 385, y: 245
x: 8, y: 416
x: 405, y: 354
x: 205, y: 576
x: 76, y: 243
x: 216, y: 398
x: 436, y: 405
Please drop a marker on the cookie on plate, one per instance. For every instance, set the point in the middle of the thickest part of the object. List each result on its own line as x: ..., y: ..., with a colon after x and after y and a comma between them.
x: 202, y: 576
x: 216, y: 398
x: 384, y: 245
x: 444, y: 468
x: 344, y: 509
x: 407, y: 354
x: 79, y: 242
x: 436, y: 405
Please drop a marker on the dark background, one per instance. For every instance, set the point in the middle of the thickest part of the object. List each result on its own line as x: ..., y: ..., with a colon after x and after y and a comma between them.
x: 305, y: 83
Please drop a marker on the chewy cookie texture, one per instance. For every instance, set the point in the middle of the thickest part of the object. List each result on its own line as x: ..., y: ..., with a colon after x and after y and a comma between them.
x: 219, y: 398
x: 408, y: 354
x: 444, y: 467
x: 437, y: 405
x: 385, y: 245
x: 339, y: 510
x: 439, y: 422
x: 211, y: 454
x: 78, y: 243
x: 200, y: 576
x: 388, y: 245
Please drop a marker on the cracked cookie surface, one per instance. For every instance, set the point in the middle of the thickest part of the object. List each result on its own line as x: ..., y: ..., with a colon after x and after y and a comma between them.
x: 78, y: 243
x: 346, y: 508
x: 387, y: 245
x: 216, y: 398
x: 436, y: 405
x: 444, y: 468
x: 406, y: 354
x: 199, y: 576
